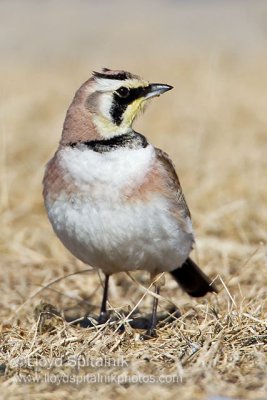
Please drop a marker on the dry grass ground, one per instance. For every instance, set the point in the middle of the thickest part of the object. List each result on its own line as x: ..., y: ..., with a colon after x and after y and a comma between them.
x: 213, y: 124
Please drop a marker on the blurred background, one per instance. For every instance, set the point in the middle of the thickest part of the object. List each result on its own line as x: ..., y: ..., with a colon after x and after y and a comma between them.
x: 214, y: 127
x: 213, y: 124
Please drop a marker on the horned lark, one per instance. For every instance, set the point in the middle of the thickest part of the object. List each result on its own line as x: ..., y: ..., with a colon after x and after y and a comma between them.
x: 113, y: 199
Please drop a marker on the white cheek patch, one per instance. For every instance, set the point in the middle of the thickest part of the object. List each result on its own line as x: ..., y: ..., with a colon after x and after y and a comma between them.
x: 105, y: 103
x: 105, y: 89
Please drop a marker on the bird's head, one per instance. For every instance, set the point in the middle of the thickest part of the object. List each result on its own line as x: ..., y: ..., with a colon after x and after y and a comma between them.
x: 112, y: 100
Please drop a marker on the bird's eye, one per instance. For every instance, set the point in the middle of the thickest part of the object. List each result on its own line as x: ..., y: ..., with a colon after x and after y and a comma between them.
x: 123, y: 91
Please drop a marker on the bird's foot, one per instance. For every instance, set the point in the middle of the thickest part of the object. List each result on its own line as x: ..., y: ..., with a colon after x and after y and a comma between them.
x: 103, y: 317
x: 150, y: 334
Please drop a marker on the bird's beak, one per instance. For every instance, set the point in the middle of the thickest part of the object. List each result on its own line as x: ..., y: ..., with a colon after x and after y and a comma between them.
x: 156, y: 89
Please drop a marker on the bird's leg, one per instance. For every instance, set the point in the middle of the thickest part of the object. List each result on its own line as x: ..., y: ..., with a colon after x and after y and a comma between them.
x: 151, y: 331
x: 103, y: 317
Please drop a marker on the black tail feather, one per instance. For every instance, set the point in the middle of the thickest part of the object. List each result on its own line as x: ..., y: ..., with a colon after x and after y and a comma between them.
x: 193, y: 280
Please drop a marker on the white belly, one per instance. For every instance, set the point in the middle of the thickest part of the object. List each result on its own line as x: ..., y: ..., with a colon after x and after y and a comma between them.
x: 106, y: 231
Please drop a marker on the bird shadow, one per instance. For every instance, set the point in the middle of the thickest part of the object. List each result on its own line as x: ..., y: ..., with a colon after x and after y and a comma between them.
x: 136, y: 320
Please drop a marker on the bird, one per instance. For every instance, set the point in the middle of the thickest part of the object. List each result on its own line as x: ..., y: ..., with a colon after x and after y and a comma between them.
x: 114, y: 200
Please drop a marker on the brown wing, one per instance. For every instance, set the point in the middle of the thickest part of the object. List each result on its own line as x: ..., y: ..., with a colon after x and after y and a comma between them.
x: 175, y: 183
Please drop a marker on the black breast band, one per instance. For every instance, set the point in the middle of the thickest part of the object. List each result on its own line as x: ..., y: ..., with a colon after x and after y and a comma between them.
x: 128, y: 140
